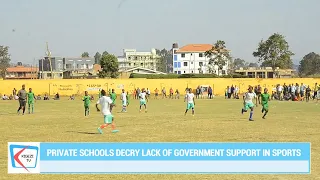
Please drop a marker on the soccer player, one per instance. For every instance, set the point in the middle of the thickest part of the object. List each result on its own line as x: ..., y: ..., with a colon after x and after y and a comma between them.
x: 87, y: 100
x: 265, y: 98
x: 105, y: 103
x: 248, y: 103
x: 113, y: 96
x: 124, y: 101
x: 31, y: 98
x: 143, y: 98
x: 128, y: 98
x: 190, y: 101
x: 22, y: 94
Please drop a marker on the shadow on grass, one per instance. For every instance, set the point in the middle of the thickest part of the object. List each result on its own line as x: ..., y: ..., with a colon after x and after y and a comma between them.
x: 80, y: 132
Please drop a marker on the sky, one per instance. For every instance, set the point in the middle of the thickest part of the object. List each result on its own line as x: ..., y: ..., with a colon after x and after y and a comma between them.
x: 72, y: 27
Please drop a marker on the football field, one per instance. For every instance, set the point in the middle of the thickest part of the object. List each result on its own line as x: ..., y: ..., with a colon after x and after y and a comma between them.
x: 216, y: 120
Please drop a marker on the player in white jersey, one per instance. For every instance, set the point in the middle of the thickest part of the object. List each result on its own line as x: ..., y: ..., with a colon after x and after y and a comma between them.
x: 248, y: 98
x: 143, y: 100
x: 190, y: 101
x: 124, y: 101
x: 106, y: 104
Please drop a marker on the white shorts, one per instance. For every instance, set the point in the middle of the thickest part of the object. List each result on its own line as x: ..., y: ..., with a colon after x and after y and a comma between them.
x: 124, y: 102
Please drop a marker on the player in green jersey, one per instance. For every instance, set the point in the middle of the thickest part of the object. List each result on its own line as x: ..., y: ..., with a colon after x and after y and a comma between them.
x: 113, y: 97
x: 265, y: 98
x: 128, y: 98
x: 31, y: 98
x: 87, y: 100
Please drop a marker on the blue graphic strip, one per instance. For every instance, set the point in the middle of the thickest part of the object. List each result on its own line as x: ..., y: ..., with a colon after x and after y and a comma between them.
x: 174, y: 151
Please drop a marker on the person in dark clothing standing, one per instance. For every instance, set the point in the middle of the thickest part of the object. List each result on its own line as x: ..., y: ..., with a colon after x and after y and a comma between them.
x: 22, y: 94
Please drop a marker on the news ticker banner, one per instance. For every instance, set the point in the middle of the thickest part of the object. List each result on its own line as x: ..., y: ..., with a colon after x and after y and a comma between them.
x: 155, y: 158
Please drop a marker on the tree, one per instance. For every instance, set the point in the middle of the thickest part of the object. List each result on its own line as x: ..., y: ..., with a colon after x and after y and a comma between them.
x: 253, y: 65
x: 85, y: 55
x: 4, y: 60
x: 109, y: 66
x: 238, y: 63
x: 105, y: 53
x: 97, y: 58
x: 274, y: 53
x: 164, y: 61
x: 309, y: 65
x: 218, y: 56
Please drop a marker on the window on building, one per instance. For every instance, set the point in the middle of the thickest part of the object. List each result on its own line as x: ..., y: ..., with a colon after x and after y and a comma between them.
x: 200, y: 55
x: 184, y: 72
x: 175, y: 64
x: 78, y: 66
x: 136, y: 58
x: 200, y: 64
x: 175, y: 72
x: 134, y: 64
x: 185, y: 63
x: 141, y: 64
x: 191, y: 62
x: 129, y: 64
x: 179, y: 64
x: 175, y: 57
x: 179, y: 72
x: 223, y: 72
x: 183, y: 55
x: 129, y: 58
x: 191, y: 71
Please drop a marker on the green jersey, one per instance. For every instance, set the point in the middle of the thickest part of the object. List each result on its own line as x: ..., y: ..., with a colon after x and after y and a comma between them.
x: 31, y: 97
x: 265, y: 97
x: 113, y: 97
x: 87, y: 100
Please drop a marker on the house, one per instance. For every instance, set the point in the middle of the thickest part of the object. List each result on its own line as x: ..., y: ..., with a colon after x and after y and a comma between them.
x: 265, y: 72
x: 66, y: 67
x: 21, y: 72
x: 132, y: 58
x: 191, y: 59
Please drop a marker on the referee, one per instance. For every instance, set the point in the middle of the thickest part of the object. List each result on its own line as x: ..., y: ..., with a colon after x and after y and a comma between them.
x: 22, y: 94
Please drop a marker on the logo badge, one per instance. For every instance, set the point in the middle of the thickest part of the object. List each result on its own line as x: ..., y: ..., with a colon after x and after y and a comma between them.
x: 23, y: 157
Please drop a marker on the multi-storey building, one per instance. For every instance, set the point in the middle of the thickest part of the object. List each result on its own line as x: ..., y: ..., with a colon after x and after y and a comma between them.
x: 21, y: 72
x: 132, y: 58
x: 62, y: 65
x: 191, y: 59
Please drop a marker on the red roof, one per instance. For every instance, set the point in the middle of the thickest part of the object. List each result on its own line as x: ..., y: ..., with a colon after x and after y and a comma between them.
x: 195, y: 48
x: 22, y: 69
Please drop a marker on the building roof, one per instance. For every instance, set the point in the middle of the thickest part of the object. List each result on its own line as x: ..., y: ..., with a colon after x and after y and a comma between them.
x: 22, y: 69
x: 195, y: 48
x: 143, y: 69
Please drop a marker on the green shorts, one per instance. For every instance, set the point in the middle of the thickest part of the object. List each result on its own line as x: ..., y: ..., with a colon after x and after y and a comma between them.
x: 86, y: 107
x: 248, y: 106
x: 190, y: 106
x: 265, y: 106
x: 142, y: 102
x: 108, y: 119
x: 30, y: 102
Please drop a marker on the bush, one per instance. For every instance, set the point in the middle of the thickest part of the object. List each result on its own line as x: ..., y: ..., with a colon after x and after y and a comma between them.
x: 176, y: 76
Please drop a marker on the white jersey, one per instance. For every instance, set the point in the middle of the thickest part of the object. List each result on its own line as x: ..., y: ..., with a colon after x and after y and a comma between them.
x: 248, y: 97
x: 123, y: 96
x: 105, y: 103
x: 148, y: 92
x: 142, y: 96
x: 189, y: 97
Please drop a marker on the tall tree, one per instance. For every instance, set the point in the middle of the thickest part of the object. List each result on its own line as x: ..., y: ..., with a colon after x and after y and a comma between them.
x: 109, y: 66
x: 274, y: 52
x: 97, y: 58
x: 164, y: 61
x: 309, y: 65
x: 4, y: 60
x: 218, y: 56
x: 105, y: 53
x: 85, y: 55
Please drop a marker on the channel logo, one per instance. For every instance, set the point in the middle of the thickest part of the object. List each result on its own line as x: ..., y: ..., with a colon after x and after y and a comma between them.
x: 23, y: 157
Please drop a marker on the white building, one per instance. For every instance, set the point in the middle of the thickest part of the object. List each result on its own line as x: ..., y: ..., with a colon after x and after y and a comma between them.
x: 191, y: 59
x: 132, y: 58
